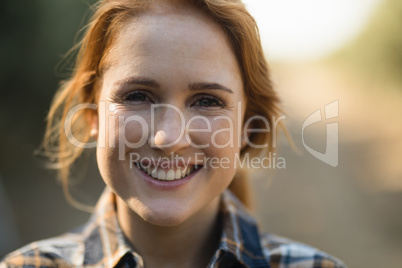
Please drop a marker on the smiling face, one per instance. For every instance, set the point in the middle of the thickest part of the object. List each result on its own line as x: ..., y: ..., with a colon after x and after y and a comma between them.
x: 183, y: 62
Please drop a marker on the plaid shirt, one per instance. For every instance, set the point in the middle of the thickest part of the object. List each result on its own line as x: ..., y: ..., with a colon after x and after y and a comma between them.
x: 101, y: 243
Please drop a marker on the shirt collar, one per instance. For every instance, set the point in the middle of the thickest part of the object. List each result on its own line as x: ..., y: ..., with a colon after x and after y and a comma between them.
x: 240, y: 236
x: 106, y: 245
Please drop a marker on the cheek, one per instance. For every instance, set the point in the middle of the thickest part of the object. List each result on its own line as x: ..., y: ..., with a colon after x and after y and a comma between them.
x: 225, y: 133
x: 222, y: 133
x: 123, y: 128
x: 218, y: 132
x: 133, y: 130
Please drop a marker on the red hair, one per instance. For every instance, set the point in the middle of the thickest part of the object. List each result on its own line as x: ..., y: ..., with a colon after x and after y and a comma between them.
x: 83, y: 85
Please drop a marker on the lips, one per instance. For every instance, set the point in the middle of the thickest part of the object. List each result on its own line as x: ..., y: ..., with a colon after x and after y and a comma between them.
x: 167, y: 174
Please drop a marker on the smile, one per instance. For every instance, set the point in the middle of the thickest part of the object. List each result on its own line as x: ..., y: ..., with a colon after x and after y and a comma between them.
x: 168, y: 174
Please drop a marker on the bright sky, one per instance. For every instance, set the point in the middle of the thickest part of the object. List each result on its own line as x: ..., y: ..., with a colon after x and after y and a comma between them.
x: 308, y: 29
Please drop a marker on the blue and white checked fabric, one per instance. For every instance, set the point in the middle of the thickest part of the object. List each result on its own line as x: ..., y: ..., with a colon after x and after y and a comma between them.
x: 101, y: 243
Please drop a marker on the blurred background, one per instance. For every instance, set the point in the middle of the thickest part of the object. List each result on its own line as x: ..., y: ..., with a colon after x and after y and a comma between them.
x: 320, y: 52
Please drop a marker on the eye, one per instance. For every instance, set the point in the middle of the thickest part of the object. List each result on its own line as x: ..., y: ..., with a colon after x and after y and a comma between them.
x: 136, y: 96
x: 209, y: 101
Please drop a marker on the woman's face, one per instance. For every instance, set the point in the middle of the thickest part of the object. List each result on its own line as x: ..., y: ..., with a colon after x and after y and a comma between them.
x: 172, y: 91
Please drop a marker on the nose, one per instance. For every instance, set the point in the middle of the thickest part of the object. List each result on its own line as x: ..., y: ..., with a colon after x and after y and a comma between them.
x: 168, y: 131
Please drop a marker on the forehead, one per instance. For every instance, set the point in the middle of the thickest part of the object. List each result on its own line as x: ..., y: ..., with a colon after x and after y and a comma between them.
x: 174, y: 37
x: 178, y: 27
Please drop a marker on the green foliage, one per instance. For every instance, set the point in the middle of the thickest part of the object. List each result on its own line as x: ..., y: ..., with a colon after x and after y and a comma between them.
x: 378, y: 50
x: 34, y: 37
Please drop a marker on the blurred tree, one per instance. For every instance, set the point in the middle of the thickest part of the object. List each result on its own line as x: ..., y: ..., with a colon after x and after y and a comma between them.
x: 378, y: 50
x: 34, y: 37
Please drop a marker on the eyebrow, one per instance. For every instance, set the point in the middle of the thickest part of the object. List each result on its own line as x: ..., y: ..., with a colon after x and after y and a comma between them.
x: 137, y: 80
x: 209, y: 86
x: 144, y: 81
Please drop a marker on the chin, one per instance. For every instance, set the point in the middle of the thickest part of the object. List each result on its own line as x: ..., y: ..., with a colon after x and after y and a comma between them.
x: 166, y: 214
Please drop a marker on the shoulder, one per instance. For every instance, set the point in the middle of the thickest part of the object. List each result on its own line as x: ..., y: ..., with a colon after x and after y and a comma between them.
x: 283, y: 252
x: 62, y: 251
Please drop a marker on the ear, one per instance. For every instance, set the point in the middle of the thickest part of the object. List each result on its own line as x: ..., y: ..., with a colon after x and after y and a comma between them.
x: 93, y: 122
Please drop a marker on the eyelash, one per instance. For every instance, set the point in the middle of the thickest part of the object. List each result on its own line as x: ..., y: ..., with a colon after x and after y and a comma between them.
x: 135, y: 94
x: 212, y: 100
x: 216, y: 101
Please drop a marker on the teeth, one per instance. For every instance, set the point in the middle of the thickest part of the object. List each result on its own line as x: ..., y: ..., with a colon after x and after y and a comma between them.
x: 183, y: 172
x: 154, y: 173
x: 161, y: 175
x: 168, y: 175
x: 178, y: 174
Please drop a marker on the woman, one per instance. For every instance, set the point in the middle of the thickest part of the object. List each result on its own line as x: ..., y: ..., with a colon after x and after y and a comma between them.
x: 172, y: 93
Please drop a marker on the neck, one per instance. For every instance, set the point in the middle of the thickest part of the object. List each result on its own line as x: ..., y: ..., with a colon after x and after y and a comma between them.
x: 189, y: 244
